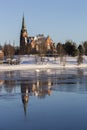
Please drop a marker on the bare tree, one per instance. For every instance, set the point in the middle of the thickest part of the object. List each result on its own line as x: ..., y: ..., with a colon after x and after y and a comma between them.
x: 61, y: 53
x: 9, y: 51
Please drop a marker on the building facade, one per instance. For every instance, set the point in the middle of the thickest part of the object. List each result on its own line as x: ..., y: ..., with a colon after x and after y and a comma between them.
x: 34, y: 45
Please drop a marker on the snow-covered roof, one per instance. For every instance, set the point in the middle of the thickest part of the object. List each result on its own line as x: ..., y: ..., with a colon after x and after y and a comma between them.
x: 39, y: 36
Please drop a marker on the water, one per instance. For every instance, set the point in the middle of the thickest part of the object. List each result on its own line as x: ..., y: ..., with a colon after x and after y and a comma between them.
x: 43, y: 100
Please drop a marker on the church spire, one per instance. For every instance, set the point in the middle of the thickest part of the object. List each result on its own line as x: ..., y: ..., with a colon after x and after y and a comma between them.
x: 23, y: 23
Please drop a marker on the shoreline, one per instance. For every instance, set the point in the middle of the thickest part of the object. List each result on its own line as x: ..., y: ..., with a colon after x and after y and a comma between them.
x: 40, y: 66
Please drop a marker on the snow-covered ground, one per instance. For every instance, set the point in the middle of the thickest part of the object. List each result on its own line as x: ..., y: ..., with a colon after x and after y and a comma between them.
x: 33, y: 62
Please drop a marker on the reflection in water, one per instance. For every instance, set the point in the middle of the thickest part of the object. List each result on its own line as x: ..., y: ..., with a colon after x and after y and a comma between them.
x: 42, y: 83
x: 1, y: 83
x: 36, y: 88
x: 80, y: 72
x: 9, y: 85
x: 25, y: 90
x: 63, y: 108
x: 41, y: 88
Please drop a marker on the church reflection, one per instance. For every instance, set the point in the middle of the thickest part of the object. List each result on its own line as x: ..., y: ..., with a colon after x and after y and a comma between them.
x: 37, y: 88
x: 41, y: 88
x: 25, y: 89
x: 41, y: 84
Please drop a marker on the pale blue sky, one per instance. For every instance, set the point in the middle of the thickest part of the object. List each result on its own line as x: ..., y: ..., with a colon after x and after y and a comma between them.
x: 61, y: 19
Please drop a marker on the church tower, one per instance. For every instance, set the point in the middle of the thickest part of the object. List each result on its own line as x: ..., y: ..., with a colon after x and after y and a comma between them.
x: 23, y: 37
x: 25, y: 96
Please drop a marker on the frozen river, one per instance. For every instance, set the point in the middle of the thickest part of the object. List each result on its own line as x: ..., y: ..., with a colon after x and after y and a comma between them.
x: 43, y: 99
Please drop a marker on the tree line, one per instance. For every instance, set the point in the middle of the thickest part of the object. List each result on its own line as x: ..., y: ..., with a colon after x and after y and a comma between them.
x: 69, y: 48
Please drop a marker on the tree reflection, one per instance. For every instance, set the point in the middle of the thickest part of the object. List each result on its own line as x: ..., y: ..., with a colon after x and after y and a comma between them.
x: 80, y: 72
x: 42, y: 84
x: 1, y: 84
x: 80, y: 75
x: 9, y: 85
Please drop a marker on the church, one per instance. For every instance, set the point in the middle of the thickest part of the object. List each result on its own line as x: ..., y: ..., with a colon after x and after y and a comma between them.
x: 35, y: 44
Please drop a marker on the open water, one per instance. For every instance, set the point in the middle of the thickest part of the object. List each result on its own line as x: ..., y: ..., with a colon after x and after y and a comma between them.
x: 43, y: 100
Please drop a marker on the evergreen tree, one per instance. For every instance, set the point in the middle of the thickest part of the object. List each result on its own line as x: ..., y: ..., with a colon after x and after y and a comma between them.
x: 81, y: 50
x: 85, y: 47
x: 70, y: 48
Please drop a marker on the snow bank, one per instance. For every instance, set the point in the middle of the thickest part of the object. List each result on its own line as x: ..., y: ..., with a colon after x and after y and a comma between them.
x: 27, y: 63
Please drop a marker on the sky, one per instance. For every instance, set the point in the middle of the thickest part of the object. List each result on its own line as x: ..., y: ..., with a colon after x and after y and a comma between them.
x: 62, y: 20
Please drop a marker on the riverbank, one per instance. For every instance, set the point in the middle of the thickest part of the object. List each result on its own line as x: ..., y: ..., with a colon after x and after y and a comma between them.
x: 36, y: 66
x: 28, y: 63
